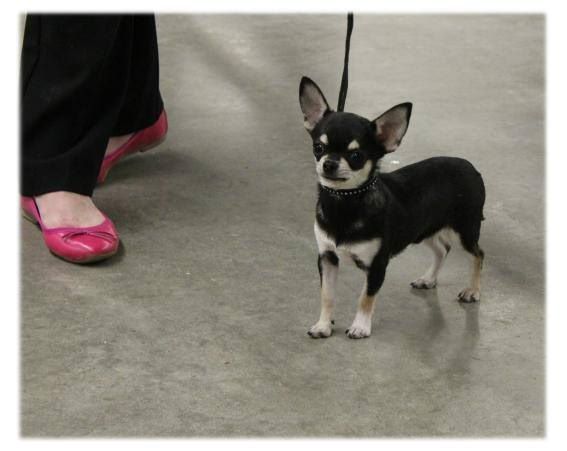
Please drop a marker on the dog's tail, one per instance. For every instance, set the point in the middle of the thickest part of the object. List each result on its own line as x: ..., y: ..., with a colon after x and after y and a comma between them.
x: 344, y: 81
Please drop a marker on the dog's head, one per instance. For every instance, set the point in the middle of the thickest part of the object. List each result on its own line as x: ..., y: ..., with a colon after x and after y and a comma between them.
x: 347, y: 147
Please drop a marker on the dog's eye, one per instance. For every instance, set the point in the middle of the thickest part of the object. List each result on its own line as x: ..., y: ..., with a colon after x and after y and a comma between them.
x: 355, y: 157
x: 318, y: 149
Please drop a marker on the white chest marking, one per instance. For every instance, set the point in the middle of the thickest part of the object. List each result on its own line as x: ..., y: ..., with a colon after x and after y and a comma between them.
x: 364, y: 251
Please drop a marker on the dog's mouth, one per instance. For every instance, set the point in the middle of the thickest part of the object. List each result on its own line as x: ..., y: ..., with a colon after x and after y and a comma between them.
x: 334, y: 178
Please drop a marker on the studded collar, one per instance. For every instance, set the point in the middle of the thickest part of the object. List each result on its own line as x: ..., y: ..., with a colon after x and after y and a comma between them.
x: 354, y: 191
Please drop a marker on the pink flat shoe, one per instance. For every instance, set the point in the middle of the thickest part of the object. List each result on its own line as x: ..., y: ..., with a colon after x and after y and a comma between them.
x: 75, y: 244
x: 140, y: 141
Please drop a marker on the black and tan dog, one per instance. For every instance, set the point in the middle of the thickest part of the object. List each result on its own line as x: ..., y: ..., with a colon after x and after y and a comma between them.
x: 369, y: 217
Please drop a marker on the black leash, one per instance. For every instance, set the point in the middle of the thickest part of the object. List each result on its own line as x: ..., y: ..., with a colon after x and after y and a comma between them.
x: 344, y: 81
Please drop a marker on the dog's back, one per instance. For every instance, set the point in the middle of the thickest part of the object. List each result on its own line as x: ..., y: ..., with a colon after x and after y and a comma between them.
x: 433, y: 194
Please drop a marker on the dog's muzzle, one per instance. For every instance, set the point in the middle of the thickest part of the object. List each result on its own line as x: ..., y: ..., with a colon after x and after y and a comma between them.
x: 330, y: 167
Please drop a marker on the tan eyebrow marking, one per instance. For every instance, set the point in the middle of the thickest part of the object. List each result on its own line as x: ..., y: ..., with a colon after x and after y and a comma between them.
x: 324, y: 139
x: 353, y: 145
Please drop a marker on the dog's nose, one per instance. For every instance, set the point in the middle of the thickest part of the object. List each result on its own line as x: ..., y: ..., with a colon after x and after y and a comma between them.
x: 330, y: 166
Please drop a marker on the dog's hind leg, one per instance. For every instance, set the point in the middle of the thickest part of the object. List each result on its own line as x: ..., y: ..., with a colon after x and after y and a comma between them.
x: 469, y: 240
x: 472, y: 293
x: 440, y: 247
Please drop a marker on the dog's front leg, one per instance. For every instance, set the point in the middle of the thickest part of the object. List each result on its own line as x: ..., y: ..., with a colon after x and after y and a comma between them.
x: 328, y: 270
x: 362, y: 325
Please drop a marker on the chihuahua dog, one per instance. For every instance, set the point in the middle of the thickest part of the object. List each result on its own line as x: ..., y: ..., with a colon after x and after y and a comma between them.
x: 369, y: 217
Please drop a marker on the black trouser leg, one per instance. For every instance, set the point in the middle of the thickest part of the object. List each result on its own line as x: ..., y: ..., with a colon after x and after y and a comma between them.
x: 81, y: 74
x: 142, y: 102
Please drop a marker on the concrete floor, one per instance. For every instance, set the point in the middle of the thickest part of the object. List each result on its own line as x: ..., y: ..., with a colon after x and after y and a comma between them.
x: 198, y: 327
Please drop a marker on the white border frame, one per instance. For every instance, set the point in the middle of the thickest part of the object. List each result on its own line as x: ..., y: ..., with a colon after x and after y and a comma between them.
x: 556, y: 224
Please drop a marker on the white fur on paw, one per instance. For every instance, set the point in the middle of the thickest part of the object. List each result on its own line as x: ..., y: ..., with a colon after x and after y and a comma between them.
x: 320, y: 330
x: 424, y: 283
x: 469, y: 295
x: 361, y: 327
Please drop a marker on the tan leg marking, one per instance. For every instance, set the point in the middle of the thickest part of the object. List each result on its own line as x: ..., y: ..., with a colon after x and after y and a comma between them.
x: 477, y: 268
x: 366, y: 303
x: 472, y: 294
x: 324, y: 328
x: 362, y: 325
x: 327, y: 302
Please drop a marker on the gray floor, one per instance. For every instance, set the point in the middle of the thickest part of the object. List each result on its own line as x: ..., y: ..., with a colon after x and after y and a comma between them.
x: 198, y: 327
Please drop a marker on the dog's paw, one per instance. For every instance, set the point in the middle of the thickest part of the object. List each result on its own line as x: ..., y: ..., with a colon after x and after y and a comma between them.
x: 360, y: 328
x: 357, y: 332
x: 320, y: 330
x: 469, y: 295
x: 424, y: 283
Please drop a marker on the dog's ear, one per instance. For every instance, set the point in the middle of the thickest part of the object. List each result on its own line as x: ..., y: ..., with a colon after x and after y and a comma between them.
x: 392, y: 125
x: 313, y: 103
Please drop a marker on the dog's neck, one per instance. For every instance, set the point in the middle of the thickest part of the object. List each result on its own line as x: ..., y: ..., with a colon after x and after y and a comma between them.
x: 359, y: 190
